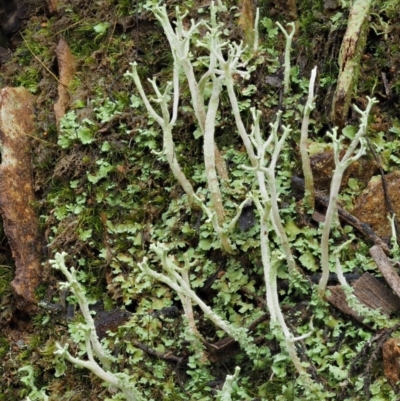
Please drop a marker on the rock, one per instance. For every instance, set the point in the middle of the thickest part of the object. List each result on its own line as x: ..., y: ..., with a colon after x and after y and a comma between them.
x: 371, y: 207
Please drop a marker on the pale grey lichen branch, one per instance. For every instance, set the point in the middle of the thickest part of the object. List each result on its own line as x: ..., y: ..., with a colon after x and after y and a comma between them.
x: 177, y: 279
x: 209, y: 153
x: 272, y: 185
x: 179, y: 40
x: 341, y: 163
x: 93, y: 348
x: 229, y: 71
x: 309, y: 197
x: 393, y: 239
x: 75, y: 287
x: 256, y: 21
x: 91, y: 364
x: 270, y: 277
x: 167, y: 125
x: 288, y: 49
x: 227, y: 388
x: 266, y: 176
x: 267, y: 203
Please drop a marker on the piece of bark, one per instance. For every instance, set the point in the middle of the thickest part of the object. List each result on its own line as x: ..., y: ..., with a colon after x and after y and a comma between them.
x: 375, y: 295
x: 66, y: 67
x: 391, y: 360
x: 110, y: 321
x: 370, y: 292
x: 385, y: 267
x: 337, y: 298
x: 21, y: 224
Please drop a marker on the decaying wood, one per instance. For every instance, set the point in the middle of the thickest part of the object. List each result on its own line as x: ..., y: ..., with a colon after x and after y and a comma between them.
x: 16, y: 193
x: 391, y: 360
x: 337, y: 298
x: 370, y: 292
x: 387, y: 270
x: 66, y: 66
x: 375, y: 295
x: 349, y: 60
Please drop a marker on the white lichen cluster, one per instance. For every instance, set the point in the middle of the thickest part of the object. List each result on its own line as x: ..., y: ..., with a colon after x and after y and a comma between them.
x: 224, y: 62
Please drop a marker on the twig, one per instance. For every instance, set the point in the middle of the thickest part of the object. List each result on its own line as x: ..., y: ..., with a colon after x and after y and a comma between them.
x: 41, y: 62
x: 165, y: 357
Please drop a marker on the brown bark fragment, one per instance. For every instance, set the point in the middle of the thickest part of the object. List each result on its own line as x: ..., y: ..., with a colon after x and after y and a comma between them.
x: 110, y: 321
x: 391, y: 360
x: 16, y: 193
x: 370, y: 292
x: 338, y: 299
x: 375, y: 295
x: 66, y: 67
x: 387, y: 270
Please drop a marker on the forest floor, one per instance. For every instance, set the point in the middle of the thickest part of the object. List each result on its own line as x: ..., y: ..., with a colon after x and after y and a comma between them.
x: 103, y: 197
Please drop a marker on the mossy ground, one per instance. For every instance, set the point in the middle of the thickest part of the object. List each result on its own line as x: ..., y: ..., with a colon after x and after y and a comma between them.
x: 103, y: 203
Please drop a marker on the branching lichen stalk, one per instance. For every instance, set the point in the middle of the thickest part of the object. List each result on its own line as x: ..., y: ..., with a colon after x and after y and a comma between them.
x: 93, y: 348
x: 309, y: 197
x: 208, y: 149
x: 226, y: 392
x: 349, y: 157
x: 174, y: 278
x: 167, y: 125
x: 288, y: 48
x: 180, y: 40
